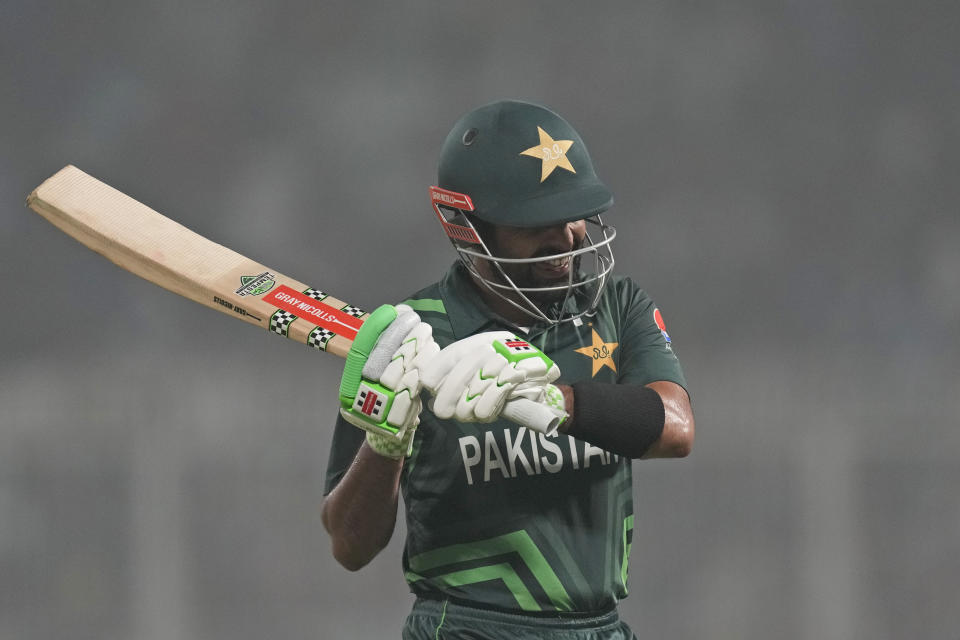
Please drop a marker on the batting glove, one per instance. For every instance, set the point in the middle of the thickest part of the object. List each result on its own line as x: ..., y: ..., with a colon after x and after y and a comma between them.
x: 474, y: 379
x: 380, y: 387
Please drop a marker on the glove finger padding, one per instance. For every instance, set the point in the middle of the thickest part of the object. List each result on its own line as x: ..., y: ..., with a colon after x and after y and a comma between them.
x: 474, y: 378
x: 403, y: 372
x: 489, y: 405
x: 441, y: 365
x: 453, y: 369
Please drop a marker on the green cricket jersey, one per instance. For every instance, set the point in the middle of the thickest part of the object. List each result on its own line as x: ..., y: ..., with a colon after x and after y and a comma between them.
x: 502, y: 517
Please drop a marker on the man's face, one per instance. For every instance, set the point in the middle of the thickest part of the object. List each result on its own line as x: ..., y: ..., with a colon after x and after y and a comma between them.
x: 535, y: 242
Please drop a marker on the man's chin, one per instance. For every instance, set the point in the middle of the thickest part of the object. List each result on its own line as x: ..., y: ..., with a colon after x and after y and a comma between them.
x: 547, y: 298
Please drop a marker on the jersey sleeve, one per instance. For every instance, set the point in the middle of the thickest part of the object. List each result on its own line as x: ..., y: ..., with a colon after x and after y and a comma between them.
x: 647, y: 349
x: 346, y: 442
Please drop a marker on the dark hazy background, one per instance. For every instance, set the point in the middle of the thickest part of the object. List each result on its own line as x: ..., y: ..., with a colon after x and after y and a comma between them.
x: 786, y: 176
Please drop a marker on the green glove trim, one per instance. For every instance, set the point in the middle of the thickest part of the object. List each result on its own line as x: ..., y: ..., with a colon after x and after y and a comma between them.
x: 515, y: 350
x: 555, y: 400
x: 370, y: 408
x: 360, y: 350
x: 391, y: 446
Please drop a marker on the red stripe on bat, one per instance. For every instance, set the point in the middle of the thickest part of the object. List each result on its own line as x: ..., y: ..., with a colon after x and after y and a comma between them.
x: 320, y: 314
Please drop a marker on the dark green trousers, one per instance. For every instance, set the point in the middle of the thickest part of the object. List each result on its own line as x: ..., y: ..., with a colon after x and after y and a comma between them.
x: 438, y: 619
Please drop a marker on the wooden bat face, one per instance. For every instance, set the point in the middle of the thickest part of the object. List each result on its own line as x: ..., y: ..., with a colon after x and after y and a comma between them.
x: 154, y: 247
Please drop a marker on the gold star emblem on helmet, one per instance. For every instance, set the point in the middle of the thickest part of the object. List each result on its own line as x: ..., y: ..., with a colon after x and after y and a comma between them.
x: 552, y: 152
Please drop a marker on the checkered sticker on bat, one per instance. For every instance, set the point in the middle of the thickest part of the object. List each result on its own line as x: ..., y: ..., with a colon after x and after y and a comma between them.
x: 319, y: 338
x: 280, y: 322
x: 316, y: 294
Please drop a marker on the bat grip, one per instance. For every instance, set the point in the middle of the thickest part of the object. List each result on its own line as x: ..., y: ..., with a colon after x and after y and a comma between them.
x: 532, y: 415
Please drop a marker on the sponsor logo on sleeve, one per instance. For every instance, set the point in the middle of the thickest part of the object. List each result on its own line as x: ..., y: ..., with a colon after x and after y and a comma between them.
x: 658, y: 318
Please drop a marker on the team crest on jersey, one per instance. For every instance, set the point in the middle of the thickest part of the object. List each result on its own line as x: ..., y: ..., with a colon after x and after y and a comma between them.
x: 658, y: 318
x: 600, y: 352
x: 552, y: 153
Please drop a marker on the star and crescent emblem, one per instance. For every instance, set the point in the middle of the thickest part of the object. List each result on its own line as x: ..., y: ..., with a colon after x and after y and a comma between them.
x: 553, y: 154
x: 601, y: 352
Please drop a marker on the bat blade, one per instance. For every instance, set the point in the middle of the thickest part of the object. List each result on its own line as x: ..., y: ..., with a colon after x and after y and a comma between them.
x: 154, y: 247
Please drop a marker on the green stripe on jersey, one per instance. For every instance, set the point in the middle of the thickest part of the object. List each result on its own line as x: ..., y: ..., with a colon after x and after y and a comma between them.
x: 566, y: 564
x: 502, y: 571
x: 518, y: 542
x: 627, y: 534
x: 426, y: 304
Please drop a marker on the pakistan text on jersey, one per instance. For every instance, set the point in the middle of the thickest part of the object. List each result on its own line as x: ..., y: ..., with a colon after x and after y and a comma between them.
x: 516, y: 452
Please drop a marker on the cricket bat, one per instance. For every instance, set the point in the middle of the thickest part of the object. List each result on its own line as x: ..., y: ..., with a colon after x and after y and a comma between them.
x: 154, y: 247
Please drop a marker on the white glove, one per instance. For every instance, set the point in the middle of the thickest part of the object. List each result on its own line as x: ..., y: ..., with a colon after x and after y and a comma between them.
x: 474, y: 379
x: 380, y: 387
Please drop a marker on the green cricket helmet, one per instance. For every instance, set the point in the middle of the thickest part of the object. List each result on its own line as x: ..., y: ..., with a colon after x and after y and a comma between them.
x: 519, y: 164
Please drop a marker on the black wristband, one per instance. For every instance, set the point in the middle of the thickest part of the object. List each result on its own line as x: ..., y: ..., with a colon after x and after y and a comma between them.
x: 621, y: 418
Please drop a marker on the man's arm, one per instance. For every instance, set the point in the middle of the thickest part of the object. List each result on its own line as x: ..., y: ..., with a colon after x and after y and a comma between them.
x: 379, y: 393
x: 676, y: 441
x: 653, y: 421
x: 361, y: 511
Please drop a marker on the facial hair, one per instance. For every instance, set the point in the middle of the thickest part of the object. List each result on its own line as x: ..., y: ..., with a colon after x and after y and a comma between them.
x: 524, y: 276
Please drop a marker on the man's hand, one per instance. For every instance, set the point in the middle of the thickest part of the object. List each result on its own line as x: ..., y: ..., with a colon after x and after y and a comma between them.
x: 380, y: 387
x: 474, y: 379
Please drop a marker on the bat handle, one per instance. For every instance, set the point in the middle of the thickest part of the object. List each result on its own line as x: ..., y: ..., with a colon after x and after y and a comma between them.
x: 532, y: 415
